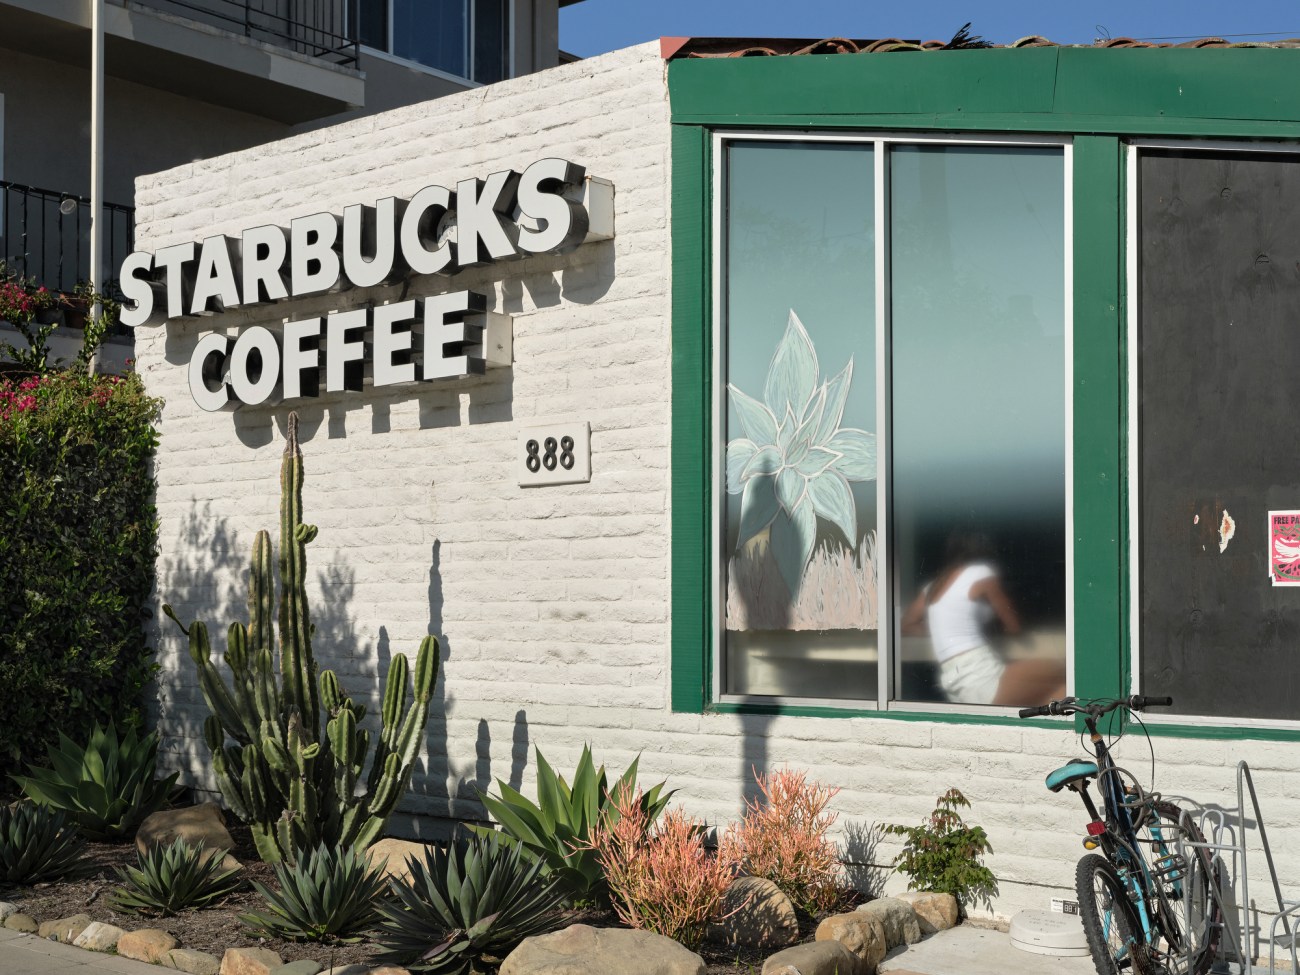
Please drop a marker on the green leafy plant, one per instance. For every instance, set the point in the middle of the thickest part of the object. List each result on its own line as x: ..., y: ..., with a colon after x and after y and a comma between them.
x: 327, y: 894
x: 24, y: 306
x: 660, y: 875
x: 38, y: 845
x: 557, y: 828
x: 78, y: 539
x: 168, y: 879
x: 106, y: 788
x: 465, y: 908
x: 289, y: 754
x: 784, y: 838
x: 944, y: 854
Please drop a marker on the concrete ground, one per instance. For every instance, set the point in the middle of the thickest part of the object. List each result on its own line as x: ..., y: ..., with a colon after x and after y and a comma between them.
x: 968, y: 950
x: 26, y: 954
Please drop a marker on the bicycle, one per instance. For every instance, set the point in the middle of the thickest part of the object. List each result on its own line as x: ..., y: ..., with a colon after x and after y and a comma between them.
x: 1149, y: 899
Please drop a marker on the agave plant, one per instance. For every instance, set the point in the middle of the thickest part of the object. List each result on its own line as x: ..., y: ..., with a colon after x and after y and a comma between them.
x: 557, y: 828
x: 37, y: 845
x: 795, y: 462
x: 467, y: 907
x: 327, y: 894
x: 106, y: 788
x: 171, y: 878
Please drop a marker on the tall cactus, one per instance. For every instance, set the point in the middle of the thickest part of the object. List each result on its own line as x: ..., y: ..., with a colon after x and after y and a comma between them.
x: 292, y: 782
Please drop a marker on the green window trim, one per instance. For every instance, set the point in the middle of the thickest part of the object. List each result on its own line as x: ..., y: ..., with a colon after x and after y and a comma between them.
x: 1098, y: 97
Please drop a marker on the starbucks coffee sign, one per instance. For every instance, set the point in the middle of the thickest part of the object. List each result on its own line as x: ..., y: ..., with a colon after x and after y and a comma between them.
x: 551, y: 207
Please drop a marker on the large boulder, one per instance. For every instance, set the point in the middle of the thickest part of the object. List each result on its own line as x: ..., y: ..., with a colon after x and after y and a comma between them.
x: 147, y: 944
x: 901, y: 924
x: 815, y: 958
x: 756, y: 914
x: 862, y: 934
x: 64, y: 929
x: 936, y: 912
x: 396, y: 855
x: 583, y: 950
x: 202, y: 826
x: 250, y: 961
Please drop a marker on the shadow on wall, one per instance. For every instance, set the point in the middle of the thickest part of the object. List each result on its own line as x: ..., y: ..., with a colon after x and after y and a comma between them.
x: 860, y: 847
x: 212, y: 587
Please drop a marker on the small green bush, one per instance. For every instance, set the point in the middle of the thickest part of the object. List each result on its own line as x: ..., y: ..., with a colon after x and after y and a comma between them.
x: 38, y: 845
x: 944, y: 854
x: 467, y: 907
x: 557, y: 829
x: 326, y: 895
x: 107, y: 788
x: 167, y: 879
x: 78, y: 536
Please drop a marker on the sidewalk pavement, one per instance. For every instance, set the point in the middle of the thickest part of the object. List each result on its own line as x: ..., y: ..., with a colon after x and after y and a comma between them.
x: 968, y: 950
x: 26, y: 954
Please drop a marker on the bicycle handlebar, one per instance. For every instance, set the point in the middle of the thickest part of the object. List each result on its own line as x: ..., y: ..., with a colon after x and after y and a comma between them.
x: 1070, y: 705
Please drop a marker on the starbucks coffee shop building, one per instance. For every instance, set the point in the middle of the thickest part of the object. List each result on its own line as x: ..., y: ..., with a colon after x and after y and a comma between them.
x: 679, y: 394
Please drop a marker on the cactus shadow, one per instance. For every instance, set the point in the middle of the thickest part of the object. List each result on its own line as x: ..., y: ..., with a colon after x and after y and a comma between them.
x: 859, y: 850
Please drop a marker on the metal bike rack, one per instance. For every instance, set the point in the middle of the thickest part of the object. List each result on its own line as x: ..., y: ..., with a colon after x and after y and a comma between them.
x: 1226, y: 834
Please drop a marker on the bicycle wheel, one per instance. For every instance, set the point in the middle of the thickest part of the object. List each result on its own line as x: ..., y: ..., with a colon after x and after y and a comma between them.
x: 1184, y: 882
x: 1109, y: 923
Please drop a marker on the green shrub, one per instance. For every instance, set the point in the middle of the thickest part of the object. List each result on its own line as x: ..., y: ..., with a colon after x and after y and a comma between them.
x: 944, y: 854
x: 106, y: 788
x: 171, y: 878
x: 38, y: 845
x: 327, y: 894
x: 557, y: 829
x: 467, y: 907
x: 77, y: 544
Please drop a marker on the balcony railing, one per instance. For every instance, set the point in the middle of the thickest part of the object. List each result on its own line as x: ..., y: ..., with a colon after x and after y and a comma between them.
x: 45, y: 235
x: 317, y: 28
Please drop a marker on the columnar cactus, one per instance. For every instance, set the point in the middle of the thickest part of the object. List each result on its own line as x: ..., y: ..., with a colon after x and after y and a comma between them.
x: 295, y: 785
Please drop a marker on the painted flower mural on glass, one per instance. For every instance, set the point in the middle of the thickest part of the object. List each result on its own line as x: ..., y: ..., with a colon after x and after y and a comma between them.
x: 795, y: 464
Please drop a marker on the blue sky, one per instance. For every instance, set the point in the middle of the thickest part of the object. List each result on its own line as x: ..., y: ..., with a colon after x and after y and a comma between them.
x: 596, y: 26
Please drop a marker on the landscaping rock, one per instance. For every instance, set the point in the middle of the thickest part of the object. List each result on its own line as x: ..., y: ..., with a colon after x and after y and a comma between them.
x: 389, y: 970
x: 191, y: 961
x: 862, y: 934
x: 760, y: 916
x: 935, y: 912
x: 583, y: 950
x: 197, y: 825
x: 816, y: 958
x: 250, y: 961
x: 21, y: 922
x: 147, y: 944
x: 65, y: 929
x: 397, y: 853
x: 99, y: 936
x: 349, y: 970
x: 304, y: 967
x: 901, y: 924
x: 7, y: 909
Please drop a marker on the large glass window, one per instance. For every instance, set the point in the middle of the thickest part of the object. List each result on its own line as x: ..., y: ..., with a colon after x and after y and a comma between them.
x: 466, y: 38
x: 955, y: 439
x: 1217, y: 613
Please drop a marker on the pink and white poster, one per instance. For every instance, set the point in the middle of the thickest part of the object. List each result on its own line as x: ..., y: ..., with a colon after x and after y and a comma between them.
x: 1284, y: 548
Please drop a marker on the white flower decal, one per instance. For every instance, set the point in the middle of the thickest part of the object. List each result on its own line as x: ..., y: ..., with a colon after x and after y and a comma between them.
x: 794, y: 463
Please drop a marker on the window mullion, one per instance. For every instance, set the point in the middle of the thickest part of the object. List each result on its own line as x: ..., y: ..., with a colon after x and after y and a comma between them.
x: 884, y: 575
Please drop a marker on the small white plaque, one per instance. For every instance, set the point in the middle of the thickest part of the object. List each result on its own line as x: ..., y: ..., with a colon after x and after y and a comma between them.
x: 554, y: 453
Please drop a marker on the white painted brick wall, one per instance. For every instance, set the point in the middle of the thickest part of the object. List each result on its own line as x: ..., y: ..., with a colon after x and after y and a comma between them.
x: 554, y: 602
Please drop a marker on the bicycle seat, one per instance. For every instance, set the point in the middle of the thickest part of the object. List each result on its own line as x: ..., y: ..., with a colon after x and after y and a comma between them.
x: 1073, y: 772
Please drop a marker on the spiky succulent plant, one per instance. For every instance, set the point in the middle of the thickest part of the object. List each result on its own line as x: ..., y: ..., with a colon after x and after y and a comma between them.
x: 327, y: 894
x: 37, y: 844
x: 167, y: 879
x: 466, y: 907
x: 795, y: 462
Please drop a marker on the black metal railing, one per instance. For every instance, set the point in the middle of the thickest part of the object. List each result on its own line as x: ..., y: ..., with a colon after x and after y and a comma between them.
x: 45, y: 236
x: 317, y: 28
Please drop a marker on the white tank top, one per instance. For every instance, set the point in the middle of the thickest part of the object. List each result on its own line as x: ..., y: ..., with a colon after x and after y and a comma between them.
x: 956, y: 621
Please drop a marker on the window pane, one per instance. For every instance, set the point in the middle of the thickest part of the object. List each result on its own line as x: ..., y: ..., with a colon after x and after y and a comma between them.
x: 1218, y: 359
x: 372, y: 23
x: 491, y: 42
x: 432, y: 32
x: 800, y: 421
x: 978, y: 422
